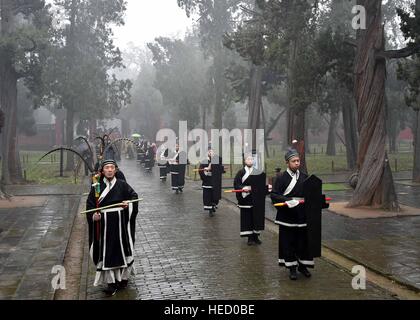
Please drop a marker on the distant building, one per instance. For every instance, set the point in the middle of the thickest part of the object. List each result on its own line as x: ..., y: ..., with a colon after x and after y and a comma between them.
x: 406, y: 134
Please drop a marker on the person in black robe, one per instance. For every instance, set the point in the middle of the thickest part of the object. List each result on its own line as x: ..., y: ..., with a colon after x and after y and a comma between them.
x: 211, y: 172
x: 178, y: 165
x: 83, y: 149
x: 112, y: 231
x: 294, y: 251
x: 129, y: 150
x: 252, y: 200
x: 163, y: 163
x: 149, y: 157
x: 110, y: 151
x: 141, y: 152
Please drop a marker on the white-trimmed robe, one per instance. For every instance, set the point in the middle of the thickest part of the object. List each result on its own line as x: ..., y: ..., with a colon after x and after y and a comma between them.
x: 177, y: 170
x: 293, y: 238
x: 211, y: 185
x: 252, y: 219
x: 113, y: 253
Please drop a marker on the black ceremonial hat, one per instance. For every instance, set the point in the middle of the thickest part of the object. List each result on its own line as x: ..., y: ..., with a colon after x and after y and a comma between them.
x: 290, y: 154
x: 109, y: 161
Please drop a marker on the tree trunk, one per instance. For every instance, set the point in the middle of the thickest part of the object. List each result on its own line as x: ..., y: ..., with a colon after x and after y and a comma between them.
x: 203, y: 119
x: 8, y: 103
x: 296, y: 130
x: 218, y: 83
x: 70, y: 138
x: 392, y: 127
x: 375, y: 185
x: 331, y: 134
x: 69, y: 104
x: 125, y: 127
x: 307, y: 142
x: 286, y: 129
x: 350, y: 133
x: 296, y: 112
x: 264, y: 126
x: 392, y: 138
x: 255, y: 102
x: 416, y: 165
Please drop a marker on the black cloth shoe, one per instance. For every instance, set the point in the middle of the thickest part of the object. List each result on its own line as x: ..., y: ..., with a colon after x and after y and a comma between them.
x: 211, y: 212
x: 256, y: 240
x: 292, y: 273
x: 122, y: 284
x: 181, y: 190
x: 302, y: 269
x: 111, y: 290
x: 176, y: 191
x: 251, y: 240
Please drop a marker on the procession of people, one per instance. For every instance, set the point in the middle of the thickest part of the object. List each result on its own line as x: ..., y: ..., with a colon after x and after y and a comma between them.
x: 112, y: 230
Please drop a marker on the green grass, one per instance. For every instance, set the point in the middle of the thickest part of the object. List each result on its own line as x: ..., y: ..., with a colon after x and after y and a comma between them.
x: 47, y: 171
x: 334, y: 187
x: 323, y: 164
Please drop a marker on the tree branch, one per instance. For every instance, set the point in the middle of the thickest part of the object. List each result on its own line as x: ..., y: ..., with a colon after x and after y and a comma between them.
x: 401, y: 53
x: 351, y: 42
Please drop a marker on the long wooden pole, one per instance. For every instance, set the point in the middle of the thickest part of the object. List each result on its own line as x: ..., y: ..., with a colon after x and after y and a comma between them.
x: 111, y: 206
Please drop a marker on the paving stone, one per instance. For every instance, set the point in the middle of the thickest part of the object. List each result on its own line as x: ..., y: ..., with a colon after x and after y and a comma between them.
x: 25, y: 268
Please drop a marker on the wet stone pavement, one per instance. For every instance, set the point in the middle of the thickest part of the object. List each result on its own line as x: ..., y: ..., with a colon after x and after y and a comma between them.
x: 390, y: 246
x: 32, y: 241
x: 182, y: 253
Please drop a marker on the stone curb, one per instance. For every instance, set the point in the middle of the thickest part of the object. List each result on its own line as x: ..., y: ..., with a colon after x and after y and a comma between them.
x: 374, y: 269
x: 67, y: 242
x: 85, y: 262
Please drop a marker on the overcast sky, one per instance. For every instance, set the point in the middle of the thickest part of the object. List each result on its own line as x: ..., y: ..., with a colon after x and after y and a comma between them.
x: 148, y: 19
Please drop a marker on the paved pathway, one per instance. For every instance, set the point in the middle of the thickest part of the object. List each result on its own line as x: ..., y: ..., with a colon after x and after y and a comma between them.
x: 33, y: 240
x: 182, y: 253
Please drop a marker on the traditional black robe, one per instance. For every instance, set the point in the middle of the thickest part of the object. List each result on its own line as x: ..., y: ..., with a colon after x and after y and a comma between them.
x: 141, y: 152
x: 293, y: 240
x: 149, y: 158
x: 110, y: 153
x: 112, y: 251
x: 163, y: 165
x: 211, y: 183
x: 178, y: 171
x: 120, y: 175
x: 252, y: 204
